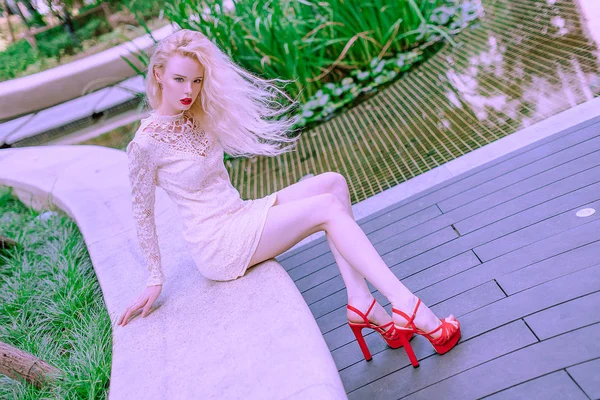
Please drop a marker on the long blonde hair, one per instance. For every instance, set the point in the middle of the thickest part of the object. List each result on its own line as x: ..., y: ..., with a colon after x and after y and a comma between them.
x: 233, y: 102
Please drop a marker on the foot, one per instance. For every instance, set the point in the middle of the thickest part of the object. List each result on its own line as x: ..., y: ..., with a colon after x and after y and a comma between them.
x: 425, y: 318
x: 377, y: 315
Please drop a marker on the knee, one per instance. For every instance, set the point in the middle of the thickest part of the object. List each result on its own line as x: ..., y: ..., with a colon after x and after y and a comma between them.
x: 337, y: 184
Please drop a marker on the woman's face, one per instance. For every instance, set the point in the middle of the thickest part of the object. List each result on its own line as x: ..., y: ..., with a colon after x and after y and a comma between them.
x: 182, y: 79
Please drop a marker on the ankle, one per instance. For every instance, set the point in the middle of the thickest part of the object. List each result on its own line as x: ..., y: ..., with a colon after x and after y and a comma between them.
x: 360, y: 299
x: 406, y: 304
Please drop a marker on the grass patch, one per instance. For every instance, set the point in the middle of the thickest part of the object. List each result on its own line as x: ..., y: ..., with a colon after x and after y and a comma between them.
x: 51, y: 304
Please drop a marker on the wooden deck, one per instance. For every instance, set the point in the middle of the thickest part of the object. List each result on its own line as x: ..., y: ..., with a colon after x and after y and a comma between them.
x: 500, y: 247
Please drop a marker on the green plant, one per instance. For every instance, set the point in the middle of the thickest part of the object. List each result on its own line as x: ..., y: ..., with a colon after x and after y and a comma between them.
x: 336, y: 96
x: 335, y: 52
x: 15, y: 59
x: 51, y: 304
x: 311, y: 42
x: 57, y: 46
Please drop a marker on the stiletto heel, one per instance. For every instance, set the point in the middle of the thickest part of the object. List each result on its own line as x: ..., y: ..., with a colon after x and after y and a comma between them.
x: 443, y: 344
x: 393, y: 336
x: 357, y: 330
x: 410, y: 353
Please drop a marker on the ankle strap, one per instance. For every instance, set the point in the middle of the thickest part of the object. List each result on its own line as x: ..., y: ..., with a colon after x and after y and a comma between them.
x: 405, y: 316
x: 360, y: 313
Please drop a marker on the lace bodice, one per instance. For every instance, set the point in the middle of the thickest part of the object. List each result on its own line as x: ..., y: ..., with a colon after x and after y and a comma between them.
x: 178, y: 131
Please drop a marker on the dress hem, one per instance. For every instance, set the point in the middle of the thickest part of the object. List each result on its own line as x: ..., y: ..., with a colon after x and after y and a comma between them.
x: 258, y: 235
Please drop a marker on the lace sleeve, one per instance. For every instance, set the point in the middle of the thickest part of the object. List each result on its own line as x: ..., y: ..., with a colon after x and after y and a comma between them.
x: 142, y: 175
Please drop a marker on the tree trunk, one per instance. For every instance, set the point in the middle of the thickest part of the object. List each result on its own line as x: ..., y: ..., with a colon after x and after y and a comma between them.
x: 64, y: 17
x: 18, y: 364
x: 69, y: 25
x: 6, y: 242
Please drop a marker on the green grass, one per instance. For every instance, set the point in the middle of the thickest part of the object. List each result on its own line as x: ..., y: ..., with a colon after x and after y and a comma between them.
x: 51, y: 304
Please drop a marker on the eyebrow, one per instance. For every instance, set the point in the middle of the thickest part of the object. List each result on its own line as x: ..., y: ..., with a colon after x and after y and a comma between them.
x: 184, y: 76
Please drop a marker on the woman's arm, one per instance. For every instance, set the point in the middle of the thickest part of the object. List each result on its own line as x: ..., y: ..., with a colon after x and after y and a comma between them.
x: 142, y: 175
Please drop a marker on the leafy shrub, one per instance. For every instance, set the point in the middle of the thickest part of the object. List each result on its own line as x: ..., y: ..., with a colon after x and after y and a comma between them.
x: 16, y: 58
x: 57, y: 46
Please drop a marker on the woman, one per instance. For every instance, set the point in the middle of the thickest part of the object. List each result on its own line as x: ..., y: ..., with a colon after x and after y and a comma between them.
x: 203, y: 105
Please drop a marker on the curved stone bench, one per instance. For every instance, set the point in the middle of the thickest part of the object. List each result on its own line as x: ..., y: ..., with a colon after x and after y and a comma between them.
x: 251, y: 338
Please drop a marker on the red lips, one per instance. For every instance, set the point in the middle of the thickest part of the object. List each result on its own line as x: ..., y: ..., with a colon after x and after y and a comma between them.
x: 186, y: 101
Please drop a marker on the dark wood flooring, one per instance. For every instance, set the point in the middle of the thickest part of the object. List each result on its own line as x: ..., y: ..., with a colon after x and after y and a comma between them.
x: 501, y: 248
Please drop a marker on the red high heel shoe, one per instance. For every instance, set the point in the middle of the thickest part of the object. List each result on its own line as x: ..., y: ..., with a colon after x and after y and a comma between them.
x: 393, y: 337
x: 443, y: 344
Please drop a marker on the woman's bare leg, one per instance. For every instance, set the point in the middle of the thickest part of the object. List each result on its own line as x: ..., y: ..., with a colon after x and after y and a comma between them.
x: 357, y: 249
x: 289, y: 223
x: 359, y: 295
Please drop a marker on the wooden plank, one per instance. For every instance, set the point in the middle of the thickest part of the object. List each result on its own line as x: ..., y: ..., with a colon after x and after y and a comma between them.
x: 400, y: 223
x: 528, y: 363
x: 526, y: 194
x: 541, y: 222
x: 528, y: 255
x: 522, y: 156
x: 319, y: 262
x: 310, y: 252
x: 530, y: 301
x: 587, y: 377
x: 405, y: 379
x: 550, y: 268
x: 566, y: 316
x: 557, y: 385
x: 514, y: 174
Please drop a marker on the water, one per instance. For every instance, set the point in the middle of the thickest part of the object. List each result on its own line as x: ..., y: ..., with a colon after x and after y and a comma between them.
x: 525, y: 61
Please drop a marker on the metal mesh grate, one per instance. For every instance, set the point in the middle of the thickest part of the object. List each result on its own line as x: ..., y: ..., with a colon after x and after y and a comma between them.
x: 516, y: 68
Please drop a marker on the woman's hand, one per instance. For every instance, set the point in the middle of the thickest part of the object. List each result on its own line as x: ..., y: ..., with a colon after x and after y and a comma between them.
x: 145, y: 300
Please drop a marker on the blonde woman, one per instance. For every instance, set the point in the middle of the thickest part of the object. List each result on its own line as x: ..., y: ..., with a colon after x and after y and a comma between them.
x: 204, y: 105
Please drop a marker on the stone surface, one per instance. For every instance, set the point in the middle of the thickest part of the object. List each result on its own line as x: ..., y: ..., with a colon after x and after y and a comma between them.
x: 252, y: 338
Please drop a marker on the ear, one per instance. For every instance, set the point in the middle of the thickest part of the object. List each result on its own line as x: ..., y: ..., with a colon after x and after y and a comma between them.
x: 157, y: 75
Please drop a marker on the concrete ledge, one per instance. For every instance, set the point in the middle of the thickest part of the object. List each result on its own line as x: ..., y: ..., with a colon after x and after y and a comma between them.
x: 251, y: 338
x: 69, y: 81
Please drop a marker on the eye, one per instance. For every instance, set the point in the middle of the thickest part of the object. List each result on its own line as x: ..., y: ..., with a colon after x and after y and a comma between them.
x: 178, y: 78
x: 198, y: 80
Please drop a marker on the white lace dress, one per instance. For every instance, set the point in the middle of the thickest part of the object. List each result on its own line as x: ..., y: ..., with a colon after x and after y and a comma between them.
x: 221, y: 229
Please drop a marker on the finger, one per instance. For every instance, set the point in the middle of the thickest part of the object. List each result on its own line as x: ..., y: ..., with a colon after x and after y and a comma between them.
x: 135, y: 307
x: 130, y: 311
x: 147, y: 307
x: 122, y: 317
